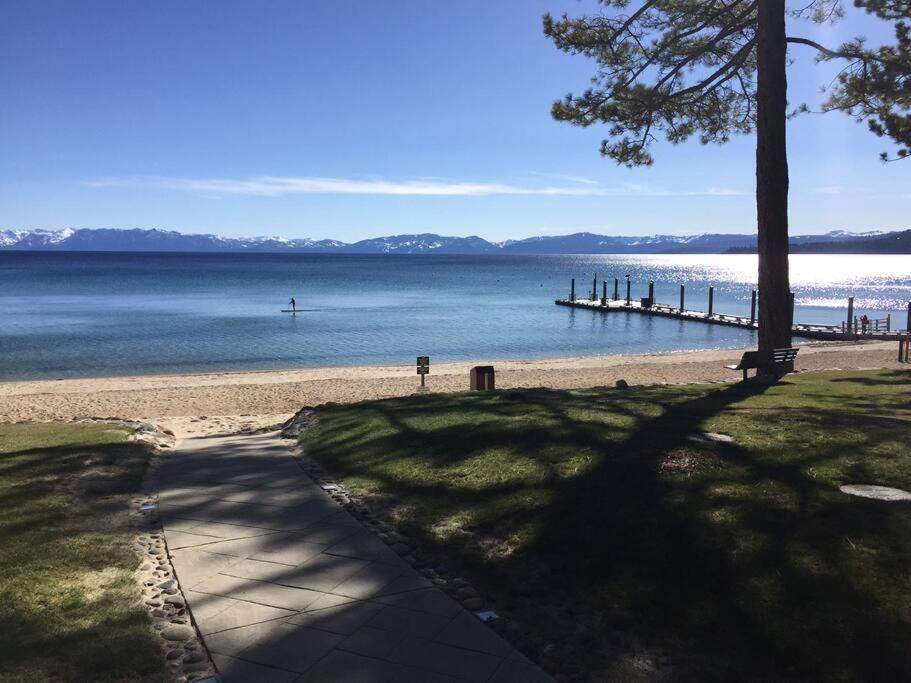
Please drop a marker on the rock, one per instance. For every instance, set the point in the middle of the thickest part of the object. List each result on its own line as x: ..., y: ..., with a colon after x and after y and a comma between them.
x: 170, y: 591
x: 199, y: 675
x: 154, y: 603
x: 174, y: 654
x: 159, y: 613
x: 194, y: 657
x: 621, y: 384
x: 178, y: 620
x: 175, y: 600
x: 710, y: 437
x: 467, y: 592
x: 473, y: 604
x: 177, y: 632
x: 876, y: 492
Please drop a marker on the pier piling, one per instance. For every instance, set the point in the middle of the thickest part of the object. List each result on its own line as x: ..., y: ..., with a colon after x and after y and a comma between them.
x: 852, y: 327
x: 617, y: 294
x: 874, y: 329
x: 651, y: 291
x: 572, y: 290
x: 595, y: 288
x: 629, y: 297
x: 908, y: 324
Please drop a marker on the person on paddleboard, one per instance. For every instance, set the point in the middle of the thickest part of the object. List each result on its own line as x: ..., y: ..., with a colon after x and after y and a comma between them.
x: 293, y: 304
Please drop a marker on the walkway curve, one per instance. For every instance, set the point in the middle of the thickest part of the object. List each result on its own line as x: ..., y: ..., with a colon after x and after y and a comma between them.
x: 284, y: 585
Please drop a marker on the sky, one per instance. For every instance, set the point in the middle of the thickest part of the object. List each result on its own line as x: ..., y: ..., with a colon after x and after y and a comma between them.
x: 355, y: 118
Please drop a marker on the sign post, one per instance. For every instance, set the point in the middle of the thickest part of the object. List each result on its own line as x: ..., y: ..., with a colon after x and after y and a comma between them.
x: 423, y: 368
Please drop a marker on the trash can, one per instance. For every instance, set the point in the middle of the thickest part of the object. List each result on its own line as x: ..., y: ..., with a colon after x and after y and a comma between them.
x: 646, y: 302
x: 482, y: 378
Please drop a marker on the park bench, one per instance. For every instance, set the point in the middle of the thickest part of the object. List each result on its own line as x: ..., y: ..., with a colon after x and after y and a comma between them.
x: 751, y: 360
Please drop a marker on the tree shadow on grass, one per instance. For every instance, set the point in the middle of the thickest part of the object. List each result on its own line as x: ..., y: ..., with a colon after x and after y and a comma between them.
x: 885, y: 378
x: 755, y: 568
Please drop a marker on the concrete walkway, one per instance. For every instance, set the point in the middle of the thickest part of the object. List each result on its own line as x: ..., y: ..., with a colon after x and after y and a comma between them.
x: 286, y: 586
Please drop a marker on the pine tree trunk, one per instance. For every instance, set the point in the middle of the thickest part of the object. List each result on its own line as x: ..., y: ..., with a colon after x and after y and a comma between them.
x: 772, y: 178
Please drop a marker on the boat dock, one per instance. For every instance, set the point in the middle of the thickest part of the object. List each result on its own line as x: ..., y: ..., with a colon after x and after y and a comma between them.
x: 879, y: 329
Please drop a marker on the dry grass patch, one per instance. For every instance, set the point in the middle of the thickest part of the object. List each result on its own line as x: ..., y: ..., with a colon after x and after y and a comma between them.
x: 67, y: 590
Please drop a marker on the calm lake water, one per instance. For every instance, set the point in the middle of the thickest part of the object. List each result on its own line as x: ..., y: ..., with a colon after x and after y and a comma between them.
x: 92, y: 314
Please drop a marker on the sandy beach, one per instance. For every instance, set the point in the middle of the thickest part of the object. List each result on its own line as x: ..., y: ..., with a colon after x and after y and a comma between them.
x: 224, y: 402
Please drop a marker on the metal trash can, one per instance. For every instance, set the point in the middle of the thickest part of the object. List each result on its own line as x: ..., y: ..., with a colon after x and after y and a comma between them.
x: 482, y: 378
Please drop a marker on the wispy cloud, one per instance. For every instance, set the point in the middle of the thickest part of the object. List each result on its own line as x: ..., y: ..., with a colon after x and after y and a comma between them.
x: 276, y: 186
x: 828, y: 189
x: 565, y: 178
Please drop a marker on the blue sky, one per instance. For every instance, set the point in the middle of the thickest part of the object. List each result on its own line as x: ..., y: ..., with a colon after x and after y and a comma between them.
x: 355, y: 118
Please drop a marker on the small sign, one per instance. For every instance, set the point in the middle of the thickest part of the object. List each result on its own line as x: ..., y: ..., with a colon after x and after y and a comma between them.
x: 423, y: 365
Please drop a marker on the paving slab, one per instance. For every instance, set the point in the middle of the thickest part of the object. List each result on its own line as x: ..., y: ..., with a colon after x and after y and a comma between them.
x: 234, y: 669
x: 259, y: 592
x: 284, y: 585
x: 348, y: 667
x: 193, y: 565
x: 343, y: 618
x: 445, y: 659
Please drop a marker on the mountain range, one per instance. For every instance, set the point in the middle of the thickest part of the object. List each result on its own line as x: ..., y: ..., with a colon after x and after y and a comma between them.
x: 109, y: 239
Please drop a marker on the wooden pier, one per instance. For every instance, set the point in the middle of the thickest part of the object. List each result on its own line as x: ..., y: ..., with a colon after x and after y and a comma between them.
x: 875, y: 329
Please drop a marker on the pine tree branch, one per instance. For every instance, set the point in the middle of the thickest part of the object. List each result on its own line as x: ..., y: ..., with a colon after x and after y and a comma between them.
x: 858, y: 55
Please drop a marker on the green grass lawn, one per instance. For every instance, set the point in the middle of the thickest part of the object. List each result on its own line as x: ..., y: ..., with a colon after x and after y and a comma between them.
x: 589, y: 516
x: 69, y: 606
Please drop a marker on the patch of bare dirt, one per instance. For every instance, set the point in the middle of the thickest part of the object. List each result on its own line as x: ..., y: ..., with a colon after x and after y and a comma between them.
x: 688, y: 461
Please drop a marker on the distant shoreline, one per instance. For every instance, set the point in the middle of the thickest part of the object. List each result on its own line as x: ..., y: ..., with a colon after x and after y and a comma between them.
x: 230, y: 401
x: 580, y: 243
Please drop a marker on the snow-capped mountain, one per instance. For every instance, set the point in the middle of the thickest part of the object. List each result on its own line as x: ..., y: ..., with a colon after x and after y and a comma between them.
x: 578, y: 243
x: 423, y: 244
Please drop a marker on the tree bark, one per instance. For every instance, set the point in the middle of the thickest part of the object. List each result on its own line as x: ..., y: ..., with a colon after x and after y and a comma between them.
x: 772, y: 178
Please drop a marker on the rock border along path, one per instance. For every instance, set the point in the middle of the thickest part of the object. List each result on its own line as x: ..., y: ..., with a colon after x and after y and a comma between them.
x: 285, y: 585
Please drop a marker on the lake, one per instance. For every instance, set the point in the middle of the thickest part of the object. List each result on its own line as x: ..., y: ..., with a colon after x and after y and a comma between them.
x: 105, y: 314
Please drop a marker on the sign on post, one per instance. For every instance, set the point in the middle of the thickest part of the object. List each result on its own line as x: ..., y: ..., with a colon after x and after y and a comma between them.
x: 423, y: 367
